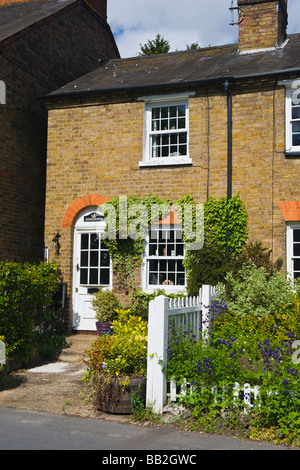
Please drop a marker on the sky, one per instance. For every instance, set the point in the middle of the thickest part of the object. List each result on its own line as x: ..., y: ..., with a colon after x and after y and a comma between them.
x: 181, y: 22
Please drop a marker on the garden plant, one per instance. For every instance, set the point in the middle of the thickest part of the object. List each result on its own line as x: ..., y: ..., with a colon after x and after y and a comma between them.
x: 250, y: 341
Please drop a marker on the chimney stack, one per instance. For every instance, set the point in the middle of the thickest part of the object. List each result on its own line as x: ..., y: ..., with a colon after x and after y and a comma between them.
x: 263, y: 25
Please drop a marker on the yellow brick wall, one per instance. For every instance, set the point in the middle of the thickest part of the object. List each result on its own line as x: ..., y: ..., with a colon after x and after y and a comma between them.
x: 96, y: 149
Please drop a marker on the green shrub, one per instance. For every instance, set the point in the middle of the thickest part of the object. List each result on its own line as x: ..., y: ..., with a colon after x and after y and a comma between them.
x: 124, y: 352
x: 105, y: 303
x: 255, y: 292
x: 28, y: 316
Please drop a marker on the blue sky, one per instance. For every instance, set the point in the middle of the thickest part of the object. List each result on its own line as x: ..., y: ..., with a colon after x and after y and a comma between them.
x: 133, y: 22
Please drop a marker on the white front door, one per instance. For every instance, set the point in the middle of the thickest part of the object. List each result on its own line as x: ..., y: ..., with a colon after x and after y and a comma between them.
x: 92, y: 267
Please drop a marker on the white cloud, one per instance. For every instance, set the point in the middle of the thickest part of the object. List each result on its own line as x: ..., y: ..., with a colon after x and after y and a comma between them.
x: 133, y: 22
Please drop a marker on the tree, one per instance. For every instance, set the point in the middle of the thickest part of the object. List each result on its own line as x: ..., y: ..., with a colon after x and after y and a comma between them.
x: 193, y: 46
x: 159, y: 45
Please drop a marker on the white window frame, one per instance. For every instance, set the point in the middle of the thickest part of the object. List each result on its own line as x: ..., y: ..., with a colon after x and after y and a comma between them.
x: 157, y: 102
x: 169, y: 288
x: 291, y: 226
x: 292, y: 89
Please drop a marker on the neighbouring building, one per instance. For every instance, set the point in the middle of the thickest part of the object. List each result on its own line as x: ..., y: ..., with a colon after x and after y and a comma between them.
x: 44, y: 44
x: 168, y: 125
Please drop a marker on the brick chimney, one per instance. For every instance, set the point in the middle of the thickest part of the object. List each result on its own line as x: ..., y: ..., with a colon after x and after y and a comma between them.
x: 263, y: 23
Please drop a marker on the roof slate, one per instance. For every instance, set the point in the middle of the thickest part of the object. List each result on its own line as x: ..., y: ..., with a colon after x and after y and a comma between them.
x: 17, y: 17
x: 186, y: 67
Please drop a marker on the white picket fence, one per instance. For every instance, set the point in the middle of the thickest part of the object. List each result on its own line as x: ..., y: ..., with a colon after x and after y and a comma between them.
x: 246, y: 394
x: 192, y: 313
x: 187, y: 313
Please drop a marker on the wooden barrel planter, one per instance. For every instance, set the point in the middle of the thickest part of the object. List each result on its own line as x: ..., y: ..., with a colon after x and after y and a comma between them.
x: 113, y: 394
x: 103, y: 328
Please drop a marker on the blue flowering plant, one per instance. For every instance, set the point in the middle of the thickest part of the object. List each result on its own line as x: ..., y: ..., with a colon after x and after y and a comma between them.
x: 203, y: 364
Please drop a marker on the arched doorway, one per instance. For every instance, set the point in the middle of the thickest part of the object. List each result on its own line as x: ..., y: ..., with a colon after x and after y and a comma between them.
x: 91, y: 266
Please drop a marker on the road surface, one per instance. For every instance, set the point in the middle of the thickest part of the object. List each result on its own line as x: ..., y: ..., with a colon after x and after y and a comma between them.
x: 22, y: 430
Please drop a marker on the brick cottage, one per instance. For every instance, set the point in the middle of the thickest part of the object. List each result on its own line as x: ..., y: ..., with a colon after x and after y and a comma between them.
x: 175, y: 124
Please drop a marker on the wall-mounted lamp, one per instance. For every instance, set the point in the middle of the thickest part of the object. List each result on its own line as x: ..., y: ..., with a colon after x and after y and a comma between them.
x: 56, y: 243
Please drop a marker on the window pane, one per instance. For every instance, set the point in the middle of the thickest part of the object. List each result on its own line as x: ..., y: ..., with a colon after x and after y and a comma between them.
x: 104, y: 259
x: 94, y: 276
x: 173, y: 124
x: 153, y: 249
x: 94, y: 241
x: 297, y: 249
x: 171, y: 266
x: 94, y: 257
x: 155, y: 113
x: 181, y: 123
x: 180, y: 266
x: 84, y: 258
x: 181, y: 110
x: 183, y: 138
x: 83, y: 276
x: 296, y: 264
x: 171, y: 279
x: 84, y: 242
x: 296, y: 112
x: 296, y: 126
x: 164, y: 112
x: 296, y: 140
x: 153, y: 279
x: 173, y: 111
x: 164, y: 125
x: 179, y: 249
x: 163, y: 265
x: 104, y: 277
x: 171, y: 249
x: 296, y: 275
x: 180, y: 279
x: 296, y: 235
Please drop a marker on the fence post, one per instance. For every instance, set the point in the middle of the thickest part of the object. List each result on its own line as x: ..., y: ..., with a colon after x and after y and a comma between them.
x: 157, y: 352
x: 206, y: 303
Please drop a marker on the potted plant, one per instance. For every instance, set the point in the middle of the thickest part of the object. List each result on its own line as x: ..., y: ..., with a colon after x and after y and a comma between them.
x: 117, y: 364
x: 105, y: 303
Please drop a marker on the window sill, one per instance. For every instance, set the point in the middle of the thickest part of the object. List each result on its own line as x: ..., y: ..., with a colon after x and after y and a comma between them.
x: 292, y: 154
x: 169, y: 161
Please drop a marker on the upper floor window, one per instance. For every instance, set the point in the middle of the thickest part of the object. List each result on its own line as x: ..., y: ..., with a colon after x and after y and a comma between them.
x: 292, y: 116
x: 166, y: 131
x: 293, y: 134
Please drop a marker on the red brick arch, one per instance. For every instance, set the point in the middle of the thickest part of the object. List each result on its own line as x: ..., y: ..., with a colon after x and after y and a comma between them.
x: 290, y: 210
x: 79, y: 204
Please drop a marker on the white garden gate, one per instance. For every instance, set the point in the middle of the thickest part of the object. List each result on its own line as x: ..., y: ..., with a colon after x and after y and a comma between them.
x: 192, y: 313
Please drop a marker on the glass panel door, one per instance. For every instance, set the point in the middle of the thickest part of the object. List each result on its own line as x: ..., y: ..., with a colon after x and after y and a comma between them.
x: 94, y: 260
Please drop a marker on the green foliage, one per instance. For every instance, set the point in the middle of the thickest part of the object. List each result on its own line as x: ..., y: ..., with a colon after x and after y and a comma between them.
x: 217, y: 213
x: 124, y: 352
x: 256, y: 292
x: 28, y: 316
x: 140, y: 301
x: 126, y: 249
x: 159, y: 45
x: 245, y: 349
x: 210, y: 264
x: 105, y: 303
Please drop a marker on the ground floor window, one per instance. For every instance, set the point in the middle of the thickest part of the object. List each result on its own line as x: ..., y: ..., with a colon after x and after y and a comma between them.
x: 163, y: 265
x: 293, y: 250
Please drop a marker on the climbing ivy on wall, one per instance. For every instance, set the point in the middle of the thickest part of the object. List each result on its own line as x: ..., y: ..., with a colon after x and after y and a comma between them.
x: 131, y: 218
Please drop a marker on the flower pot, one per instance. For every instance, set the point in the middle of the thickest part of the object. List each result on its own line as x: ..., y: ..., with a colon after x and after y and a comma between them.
x: 113, y: 394
x: 103, y: 328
